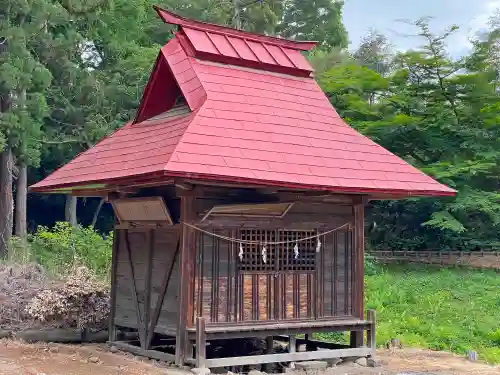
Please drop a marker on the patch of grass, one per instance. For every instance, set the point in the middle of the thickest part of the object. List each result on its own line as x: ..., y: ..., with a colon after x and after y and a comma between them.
x: 452, y: 309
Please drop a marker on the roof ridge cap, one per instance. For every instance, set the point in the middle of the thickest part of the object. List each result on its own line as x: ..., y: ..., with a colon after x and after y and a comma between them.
x: 174, y: 19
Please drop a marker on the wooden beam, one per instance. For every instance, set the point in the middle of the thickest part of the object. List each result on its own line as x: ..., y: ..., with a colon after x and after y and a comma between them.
x: 112, y: 293
x: 184, y: 185
x: 144, y: 225
x: 160, y: 356
x: 140, y: 323
x: 150, y: 239
x: 318, y: 343
x: 186, y: 287
x: 287, y: 357
x: 316, y: 196
x: 161, y: 296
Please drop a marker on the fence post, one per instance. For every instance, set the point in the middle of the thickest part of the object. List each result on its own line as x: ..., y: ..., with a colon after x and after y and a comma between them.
x: 371, y: 335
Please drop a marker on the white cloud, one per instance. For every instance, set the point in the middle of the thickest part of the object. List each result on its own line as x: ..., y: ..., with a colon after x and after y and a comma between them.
x: 476, y: 25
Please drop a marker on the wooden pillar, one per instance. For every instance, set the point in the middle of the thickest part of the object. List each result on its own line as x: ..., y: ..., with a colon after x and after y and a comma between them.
x: 186, y: 282
x: 112, y: 294
x: 269, y: 350
x: 147, y: 289
x: 201, y: 343
x: 358, y: 255
x: 292, y: 348
x: 371, y: 335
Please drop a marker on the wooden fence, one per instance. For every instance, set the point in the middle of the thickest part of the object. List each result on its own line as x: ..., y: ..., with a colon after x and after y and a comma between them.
x: 476, y: 259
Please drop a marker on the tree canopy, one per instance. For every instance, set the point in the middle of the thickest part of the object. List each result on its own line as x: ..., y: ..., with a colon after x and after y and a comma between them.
x: 73, y: 71
x: 439, y: 114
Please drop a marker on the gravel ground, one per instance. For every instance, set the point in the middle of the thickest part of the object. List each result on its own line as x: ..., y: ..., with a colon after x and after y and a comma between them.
x: 56, y: 359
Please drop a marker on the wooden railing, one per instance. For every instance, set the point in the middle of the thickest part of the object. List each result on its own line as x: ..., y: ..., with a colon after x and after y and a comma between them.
x: 476, y: 259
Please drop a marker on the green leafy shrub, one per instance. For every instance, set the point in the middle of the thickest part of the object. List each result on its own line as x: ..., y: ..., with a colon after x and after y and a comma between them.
x: 371, y: 265
x: 58, y: 248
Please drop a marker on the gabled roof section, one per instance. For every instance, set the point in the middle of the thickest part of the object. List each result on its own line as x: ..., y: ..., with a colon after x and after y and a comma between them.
x: 222, y: 44
x: 172, y: 77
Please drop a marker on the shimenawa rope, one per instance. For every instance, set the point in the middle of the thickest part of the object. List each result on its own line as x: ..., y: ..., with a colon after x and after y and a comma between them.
x: 249, y: 242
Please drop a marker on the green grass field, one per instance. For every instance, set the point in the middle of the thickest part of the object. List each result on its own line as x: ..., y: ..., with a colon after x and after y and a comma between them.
x: 449, y: 309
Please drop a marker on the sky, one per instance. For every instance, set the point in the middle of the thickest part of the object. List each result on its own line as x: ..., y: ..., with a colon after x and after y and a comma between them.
x: 383, y: 15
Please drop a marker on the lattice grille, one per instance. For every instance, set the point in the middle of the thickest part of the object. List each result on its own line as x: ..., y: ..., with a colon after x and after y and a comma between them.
x: 282, y: 257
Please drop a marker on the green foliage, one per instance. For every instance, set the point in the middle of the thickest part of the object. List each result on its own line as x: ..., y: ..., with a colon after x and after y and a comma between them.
x: 371, y: 265
x: 23, y: 77
x: 57, y: 248
x: 439, y: 114
x: 441, y: 309
x: 319, y: 20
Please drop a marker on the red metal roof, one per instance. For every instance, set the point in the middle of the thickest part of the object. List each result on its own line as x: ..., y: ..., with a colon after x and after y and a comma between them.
x: 247, y: 125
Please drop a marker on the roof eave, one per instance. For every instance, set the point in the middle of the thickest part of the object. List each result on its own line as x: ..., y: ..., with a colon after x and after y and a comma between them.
x: 160, y: 177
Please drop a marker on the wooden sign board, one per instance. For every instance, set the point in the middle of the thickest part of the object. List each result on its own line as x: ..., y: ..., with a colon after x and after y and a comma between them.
x: 275, y: 210
x: 147, y: 209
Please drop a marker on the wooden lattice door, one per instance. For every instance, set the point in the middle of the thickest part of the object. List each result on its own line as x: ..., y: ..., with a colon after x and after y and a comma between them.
x: 277, y: 275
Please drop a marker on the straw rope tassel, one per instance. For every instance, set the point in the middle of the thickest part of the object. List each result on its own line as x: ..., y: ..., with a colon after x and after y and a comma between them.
x: 240, y: 254
x: 296, y: 250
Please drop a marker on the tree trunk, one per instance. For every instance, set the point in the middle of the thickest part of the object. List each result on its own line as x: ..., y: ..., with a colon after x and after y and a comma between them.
x: 21, y: 204
x: 70, y: 211
x: 6, y: 201
x: 96, y: 213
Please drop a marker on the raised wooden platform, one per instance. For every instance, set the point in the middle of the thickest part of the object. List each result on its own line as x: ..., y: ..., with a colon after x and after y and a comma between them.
x: 203, y: 332
x: 200, y: 336
x: 266, y: 329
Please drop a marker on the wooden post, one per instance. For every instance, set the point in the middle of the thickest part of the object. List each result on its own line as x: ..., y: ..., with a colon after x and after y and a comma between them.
x: 112, y: 294
x: 292, y: 348
x: 186, y: 291
x: 269, y: 350
x: 147, y: 290
x: 201, y: 343
x: 371, y: 333
x: 358, y: 268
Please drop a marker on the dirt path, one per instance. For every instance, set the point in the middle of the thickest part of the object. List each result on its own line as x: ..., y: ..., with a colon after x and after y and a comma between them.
x: 26, y: 359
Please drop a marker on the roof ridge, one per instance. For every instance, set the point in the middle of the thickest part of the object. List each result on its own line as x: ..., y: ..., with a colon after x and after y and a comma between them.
x: 175, y: 19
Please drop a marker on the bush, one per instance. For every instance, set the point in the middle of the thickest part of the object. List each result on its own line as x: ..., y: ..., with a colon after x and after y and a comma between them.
x: 58, y: 248
x: 80, y: 301
x: 371, y: 265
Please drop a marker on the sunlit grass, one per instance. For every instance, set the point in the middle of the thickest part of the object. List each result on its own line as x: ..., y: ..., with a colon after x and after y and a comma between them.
x: 449, y: 309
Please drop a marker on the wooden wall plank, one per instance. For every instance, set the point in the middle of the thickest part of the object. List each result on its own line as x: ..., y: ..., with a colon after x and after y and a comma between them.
x: 161, y: 296
x: 112, y: 295
x: 147, y: 290
x: 140, y: 322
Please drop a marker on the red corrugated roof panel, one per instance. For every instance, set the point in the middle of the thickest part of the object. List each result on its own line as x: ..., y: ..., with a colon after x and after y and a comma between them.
x: 247, y: 125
